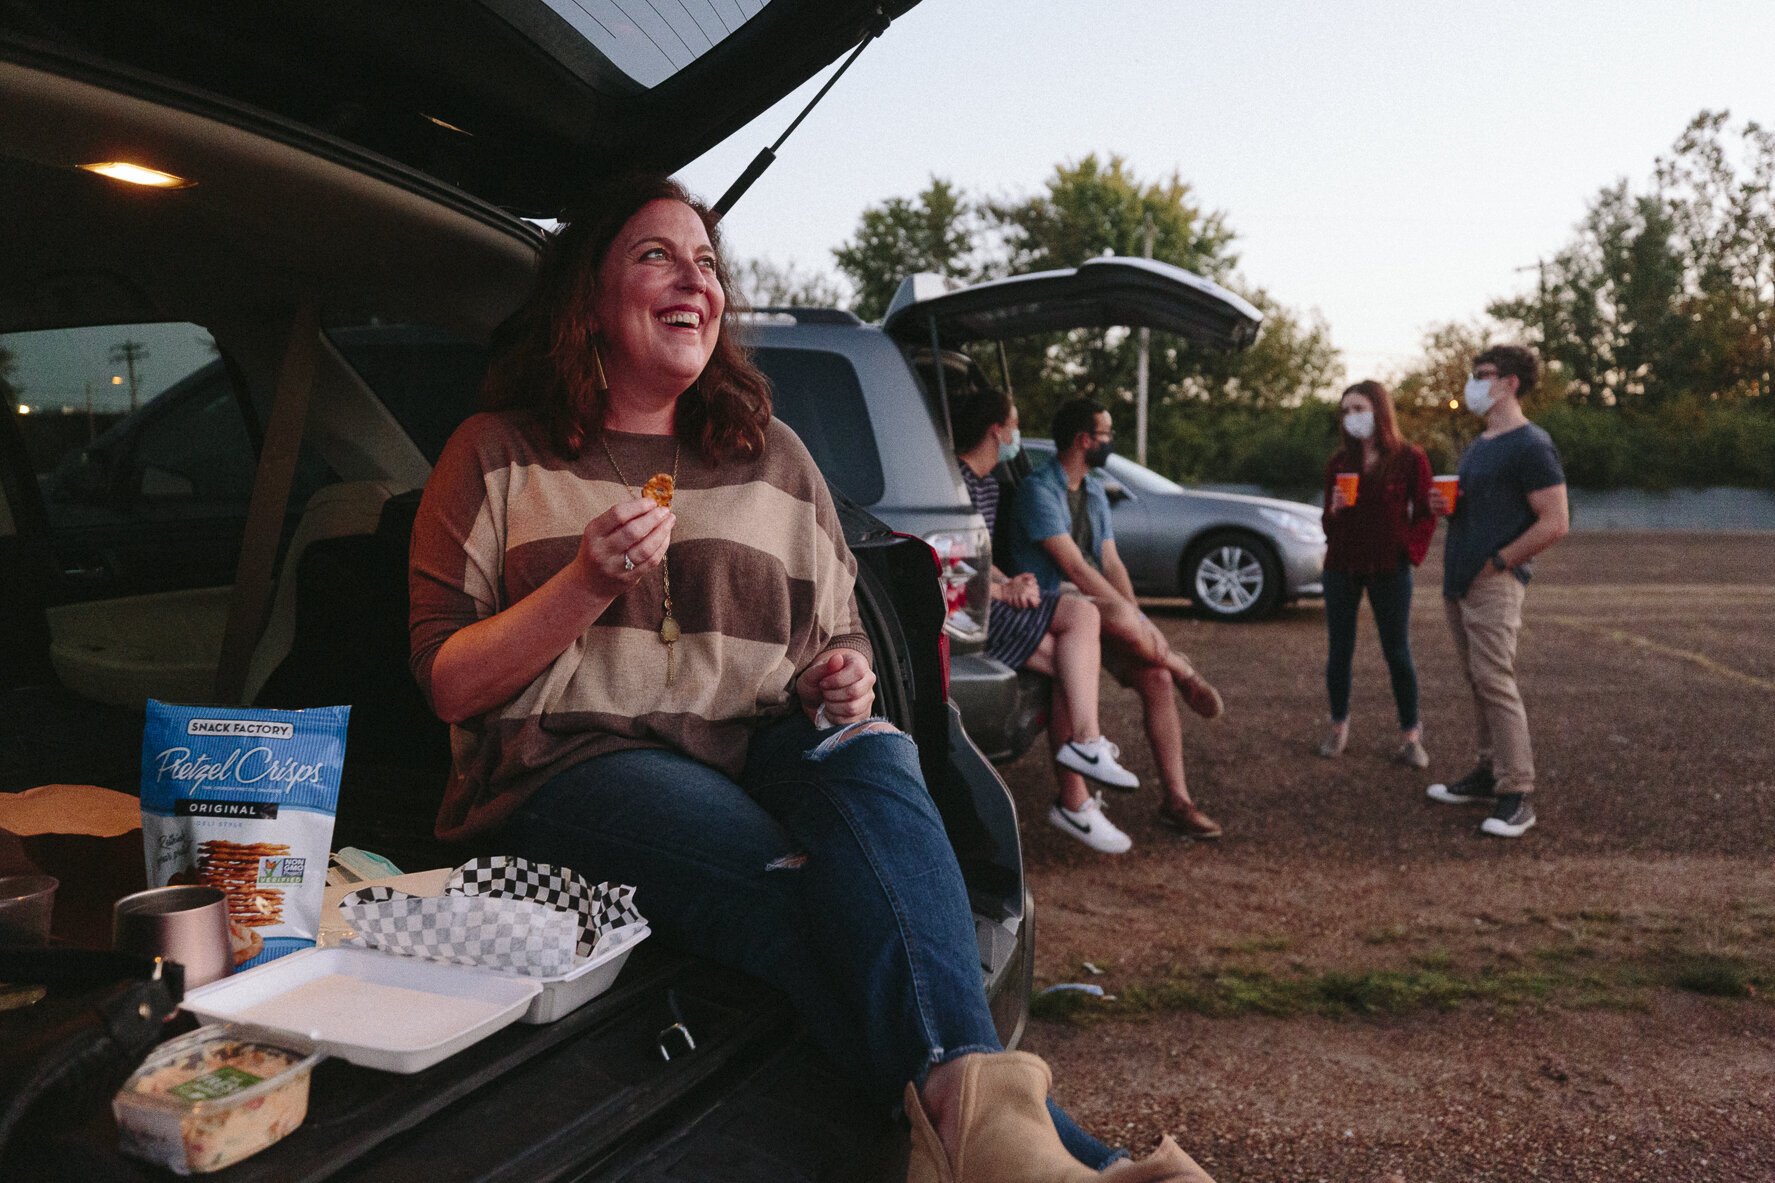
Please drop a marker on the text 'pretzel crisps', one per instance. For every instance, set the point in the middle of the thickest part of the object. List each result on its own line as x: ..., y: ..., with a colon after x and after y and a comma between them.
x: 242, y: 799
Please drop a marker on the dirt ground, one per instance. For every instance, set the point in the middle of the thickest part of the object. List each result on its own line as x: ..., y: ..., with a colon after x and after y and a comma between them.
x: 1355, y: 985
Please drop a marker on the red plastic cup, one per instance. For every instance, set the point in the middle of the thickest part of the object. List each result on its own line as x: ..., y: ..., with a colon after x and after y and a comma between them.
x: 1450, y: 488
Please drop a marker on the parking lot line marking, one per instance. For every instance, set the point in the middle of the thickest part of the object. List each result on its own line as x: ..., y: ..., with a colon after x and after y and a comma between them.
x: 1634, y: 639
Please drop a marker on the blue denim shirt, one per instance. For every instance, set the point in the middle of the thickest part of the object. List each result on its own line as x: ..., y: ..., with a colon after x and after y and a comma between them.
x: 1041, y: 511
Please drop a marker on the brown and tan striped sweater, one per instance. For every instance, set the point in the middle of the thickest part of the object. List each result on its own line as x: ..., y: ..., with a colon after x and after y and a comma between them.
x: 762, y: 582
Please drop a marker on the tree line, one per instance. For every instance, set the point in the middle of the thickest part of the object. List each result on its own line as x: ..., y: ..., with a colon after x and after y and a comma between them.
x: 1656, y: 320
x: 1657, y: 323
x: 1085, y: 208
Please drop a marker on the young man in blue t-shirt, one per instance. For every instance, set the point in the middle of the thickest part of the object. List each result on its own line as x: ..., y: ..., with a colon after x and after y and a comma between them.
x: 1511, y: 506
x: 1061, y: 533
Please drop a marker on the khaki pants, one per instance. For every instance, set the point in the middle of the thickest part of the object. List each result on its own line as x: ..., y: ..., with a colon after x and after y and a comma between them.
x: 1485, y: 625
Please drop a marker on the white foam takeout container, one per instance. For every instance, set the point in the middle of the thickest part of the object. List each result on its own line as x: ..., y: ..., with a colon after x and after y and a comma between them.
x: 560, y: 996
x: 342, y: 1009
x: 568, y: 992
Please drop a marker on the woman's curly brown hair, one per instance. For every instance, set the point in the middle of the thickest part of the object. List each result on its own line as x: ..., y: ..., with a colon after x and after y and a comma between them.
x: 542, y: 356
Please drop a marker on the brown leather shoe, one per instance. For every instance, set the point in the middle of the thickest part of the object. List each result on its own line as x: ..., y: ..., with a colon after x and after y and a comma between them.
x: 1188, y: 820
x: 1199, y: 696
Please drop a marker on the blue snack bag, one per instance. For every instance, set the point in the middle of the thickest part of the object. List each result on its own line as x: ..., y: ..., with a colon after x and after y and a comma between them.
x: 243, y: 799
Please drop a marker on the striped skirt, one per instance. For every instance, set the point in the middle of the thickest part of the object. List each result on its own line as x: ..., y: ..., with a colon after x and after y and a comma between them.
x: 1012, y: 634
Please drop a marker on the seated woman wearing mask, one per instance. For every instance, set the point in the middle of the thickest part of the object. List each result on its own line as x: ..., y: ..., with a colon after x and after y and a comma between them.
x: 679, y: 698
x: 1372, y: 543
x: 1053, y: 632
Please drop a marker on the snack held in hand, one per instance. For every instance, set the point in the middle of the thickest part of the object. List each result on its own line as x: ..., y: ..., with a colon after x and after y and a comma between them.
x: 243, y: 800
x: 660, y: 487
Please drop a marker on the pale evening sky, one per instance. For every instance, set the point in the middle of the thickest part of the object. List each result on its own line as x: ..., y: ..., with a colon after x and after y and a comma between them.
x: 1391, y: 164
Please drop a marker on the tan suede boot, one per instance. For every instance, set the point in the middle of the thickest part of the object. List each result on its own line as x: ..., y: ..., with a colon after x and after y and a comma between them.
x: 1166, y: 1164
x: 1006, y: 1135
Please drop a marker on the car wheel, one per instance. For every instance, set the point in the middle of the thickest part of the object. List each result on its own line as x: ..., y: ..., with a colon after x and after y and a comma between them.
x: 1233, y: 575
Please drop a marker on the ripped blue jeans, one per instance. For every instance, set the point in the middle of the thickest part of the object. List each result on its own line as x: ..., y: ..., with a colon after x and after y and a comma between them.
x: 825, y: 871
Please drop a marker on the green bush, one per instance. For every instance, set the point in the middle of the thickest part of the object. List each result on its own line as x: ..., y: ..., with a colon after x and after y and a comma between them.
x: 1688, y: 444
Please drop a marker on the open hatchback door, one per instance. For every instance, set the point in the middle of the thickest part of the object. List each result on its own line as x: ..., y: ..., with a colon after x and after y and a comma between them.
x: 1099, y: 293
x: 519, y: 102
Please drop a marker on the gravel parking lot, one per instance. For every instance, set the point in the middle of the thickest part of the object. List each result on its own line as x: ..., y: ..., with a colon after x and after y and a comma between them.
x: 1355, y: 985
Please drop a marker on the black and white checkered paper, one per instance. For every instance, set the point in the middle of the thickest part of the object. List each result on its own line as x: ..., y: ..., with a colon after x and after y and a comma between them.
x: 602, y: 909
x: 499, y: 912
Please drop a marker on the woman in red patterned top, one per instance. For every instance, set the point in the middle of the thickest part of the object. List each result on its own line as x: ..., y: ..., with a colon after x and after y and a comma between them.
x: 1373, y: 540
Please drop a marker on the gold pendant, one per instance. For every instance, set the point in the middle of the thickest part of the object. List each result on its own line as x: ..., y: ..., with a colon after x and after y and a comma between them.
x: 668, y: 634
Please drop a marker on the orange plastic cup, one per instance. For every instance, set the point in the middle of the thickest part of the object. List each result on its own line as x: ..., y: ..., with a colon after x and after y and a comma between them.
x: 1347, y: 481
x: 1450, y: 487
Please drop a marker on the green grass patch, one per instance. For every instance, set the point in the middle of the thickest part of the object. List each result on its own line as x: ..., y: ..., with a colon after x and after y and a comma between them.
x: 1390, y: 935
x: 1564, y: 953
x: 1715, y: 975
x: 1564, y: 977
x: 1269, y: 944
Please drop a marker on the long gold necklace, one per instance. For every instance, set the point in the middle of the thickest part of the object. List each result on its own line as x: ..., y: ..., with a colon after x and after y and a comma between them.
x: 668, y: 626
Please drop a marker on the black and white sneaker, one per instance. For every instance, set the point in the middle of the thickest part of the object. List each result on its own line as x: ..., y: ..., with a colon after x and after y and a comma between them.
x: 1090, y: 825
x: 1477, y: 786
x: 1512, y: 818
x: 1096, y: 759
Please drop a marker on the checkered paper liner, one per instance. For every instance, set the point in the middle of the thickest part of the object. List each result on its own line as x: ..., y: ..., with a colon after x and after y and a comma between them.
x: 601, y: 910
x: 500, y: 912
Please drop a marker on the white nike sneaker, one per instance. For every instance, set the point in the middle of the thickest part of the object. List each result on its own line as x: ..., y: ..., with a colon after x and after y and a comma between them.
x: 1090, y: 825
x: 1096, y: 759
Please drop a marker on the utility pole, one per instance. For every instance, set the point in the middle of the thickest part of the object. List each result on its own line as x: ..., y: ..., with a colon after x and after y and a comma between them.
x: 91, y: 432
x: 129, y: 353
x: 1141, y: 368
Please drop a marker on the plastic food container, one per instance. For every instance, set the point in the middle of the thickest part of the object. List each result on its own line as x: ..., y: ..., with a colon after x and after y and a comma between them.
x: 572, y: 990
x: 207, y: 1100
x: 377, y: 1010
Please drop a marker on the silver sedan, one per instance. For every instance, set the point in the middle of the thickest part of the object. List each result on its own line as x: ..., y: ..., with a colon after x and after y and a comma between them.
x: 1237, y: 557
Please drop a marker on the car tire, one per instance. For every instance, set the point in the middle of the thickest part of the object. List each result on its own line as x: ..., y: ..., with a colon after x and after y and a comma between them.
x: 1232, y: 575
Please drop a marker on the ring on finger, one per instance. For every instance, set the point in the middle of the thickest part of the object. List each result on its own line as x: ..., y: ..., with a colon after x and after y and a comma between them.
x: 628, y: 564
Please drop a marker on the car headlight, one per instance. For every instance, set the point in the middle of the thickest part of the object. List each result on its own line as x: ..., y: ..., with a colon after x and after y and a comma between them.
x: 1297, y: 527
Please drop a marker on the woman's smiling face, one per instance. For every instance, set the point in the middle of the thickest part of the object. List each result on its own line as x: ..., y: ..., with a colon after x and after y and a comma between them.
x: 659, y: 302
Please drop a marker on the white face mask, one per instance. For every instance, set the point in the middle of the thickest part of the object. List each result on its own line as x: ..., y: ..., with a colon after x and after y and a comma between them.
x: 1478, y: 395
x: 1360, y: 424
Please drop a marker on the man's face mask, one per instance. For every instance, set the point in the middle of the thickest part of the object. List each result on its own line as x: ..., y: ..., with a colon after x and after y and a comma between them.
x: 1007, y: 452
x: 1097, y: 455
x: 1477, y: 395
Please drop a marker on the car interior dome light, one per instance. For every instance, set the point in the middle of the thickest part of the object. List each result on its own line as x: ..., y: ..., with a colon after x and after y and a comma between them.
x: 137, y: 174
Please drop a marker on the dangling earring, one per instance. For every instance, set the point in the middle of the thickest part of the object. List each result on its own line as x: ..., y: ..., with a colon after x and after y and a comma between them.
x: 598, y: 360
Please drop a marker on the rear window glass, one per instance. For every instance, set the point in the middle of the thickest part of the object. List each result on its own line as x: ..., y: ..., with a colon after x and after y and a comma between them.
x: 650, y: 41
x: 426, y: 377
x: 818, y: 394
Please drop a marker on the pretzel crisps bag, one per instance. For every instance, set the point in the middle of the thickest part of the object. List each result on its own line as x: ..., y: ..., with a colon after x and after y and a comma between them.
x: 243, y: 800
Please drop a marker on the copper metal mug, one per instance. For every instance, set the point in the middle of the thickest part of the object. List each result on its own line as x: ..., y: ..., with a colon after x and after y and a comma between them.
x: 188, y: 925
